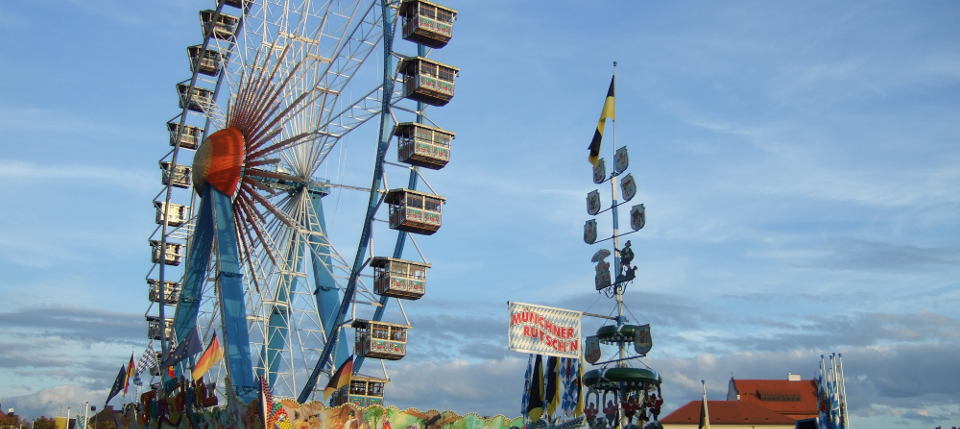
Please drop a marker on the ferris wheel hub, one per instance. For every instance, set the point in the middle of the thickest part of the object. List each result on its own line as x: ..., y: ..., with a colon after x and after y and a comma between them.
x: 219, y: 161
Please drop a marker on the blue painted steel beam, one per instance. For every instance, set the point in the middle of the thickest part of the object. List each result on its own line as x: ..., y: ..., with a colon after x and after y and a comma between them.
x: 233, y: 315
x: 277, y: 326
x: 173, y: 161
x: 401, y: 235
x: 397, y: 253
x: 373, y: 202
x: 326, y: 293
x: 195, y: 273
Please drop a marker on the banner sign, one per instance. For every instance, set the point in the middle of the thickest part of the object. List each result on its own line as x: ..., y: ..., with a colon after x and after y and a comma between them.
x: 544, y: 330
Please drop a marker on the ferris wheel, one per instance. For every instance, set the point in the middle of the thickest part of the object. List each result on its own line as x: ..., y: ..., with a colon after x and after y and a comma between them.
x: 251, y: 244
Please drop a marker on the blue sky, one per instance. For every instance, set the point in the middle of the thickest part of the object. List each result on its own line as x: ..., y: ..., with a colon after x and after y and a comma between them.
x: 799, y: 162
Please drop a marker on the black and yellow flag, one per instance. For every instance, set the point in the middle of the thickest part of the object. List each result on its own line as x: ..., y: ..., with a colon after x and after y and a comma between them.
x: 608, y: 112
x: 535, y: 403
x: 551, y: 390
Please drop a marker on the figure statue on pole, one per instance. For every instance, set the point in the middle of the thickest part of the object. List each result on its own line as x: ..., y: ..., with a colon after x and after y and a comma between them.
x: 602, y: 278
x: 627, y: 271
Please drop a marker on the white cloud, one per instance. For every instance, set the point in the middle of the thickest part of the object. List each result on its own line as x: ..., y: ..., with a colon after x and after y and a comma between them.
x: 799, y: 80
x: 41, y: 246
x: 707, y: 361
x: 27, y: 173
x: 53, y: 402
x: 880, y: 189
x: 56, y: 121
x: 488, y: 387
x: 114, y: 12
x: 797, y: 164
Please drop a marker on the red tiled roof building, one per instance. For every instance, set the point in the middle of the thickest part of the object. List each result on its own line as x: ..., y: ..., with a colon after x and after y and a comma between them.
x: 752, y: 404
x: 793, y: 397
x: 727, y: 415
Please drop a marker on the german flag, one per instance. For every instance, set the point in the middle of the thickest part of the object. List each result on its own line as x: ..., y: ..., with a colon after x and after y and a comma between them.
x: 340, y: 378
x: 210, y: 357
x: 131, y: 368
x: 608, y: 112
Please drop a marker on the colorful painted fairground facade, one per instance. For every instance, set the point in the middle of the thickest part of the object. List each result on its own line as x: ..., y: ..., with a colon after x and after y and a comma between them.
x: 289, y: 414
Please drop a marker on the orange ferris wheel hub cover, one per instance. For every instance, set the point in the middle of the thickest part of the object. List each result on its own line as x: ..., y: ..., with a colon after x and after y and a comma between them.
x: 219, y: 160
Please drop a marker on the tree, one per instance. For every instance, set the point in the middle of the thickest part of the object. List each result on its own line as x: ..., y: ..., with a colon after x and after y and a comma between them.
x: 12, y: 420
x: 103, y: 419
x: 44, y: 423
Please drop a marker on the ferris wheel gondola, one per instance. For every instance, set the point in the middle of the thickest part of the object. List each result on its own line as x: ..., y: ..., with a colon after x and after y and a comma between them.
x: 276, y: 87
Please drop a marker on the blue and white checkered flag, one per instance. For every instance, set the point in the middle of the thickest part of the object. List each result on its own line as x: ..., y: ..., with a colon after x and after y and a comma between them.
x: 147, y: 360
x: 526, y: 387
x: 568, y: 378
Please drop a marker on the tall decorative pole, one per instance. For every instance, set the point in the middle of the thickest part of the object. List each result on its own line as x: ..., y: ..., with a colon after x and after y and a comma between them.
x: 618, y: 291
x: 636, y: 383
x: 624, y: 272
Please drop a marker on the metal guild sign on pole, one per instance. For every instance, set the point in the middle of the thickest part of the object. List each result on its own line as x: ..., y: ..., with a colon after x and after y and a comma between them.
x: 599, y: 172
x: 544, y: 330
x: 590, y: 231
x: 591, y: 349
x: 593, y: 202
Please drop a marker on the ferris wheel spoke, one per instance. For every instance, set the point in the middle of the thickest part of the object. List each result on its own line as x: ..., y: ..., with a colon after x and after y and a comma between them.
x: 246, y: 247
x: 338, y: 75
x: 263, y: 202
x: 292, y: 330
x: 263, y: 241
x: 257, y: 264
x: 349, y: 119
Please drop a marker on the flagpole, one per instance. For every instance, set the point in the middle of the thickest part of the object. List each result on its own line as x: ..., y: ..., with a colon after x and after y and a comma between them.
x: 844, y: 422
x: 836, y: 391
x: 821, y: 396
x: 136, y: 373
x: 705, y: 412
x: 618, y: 291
